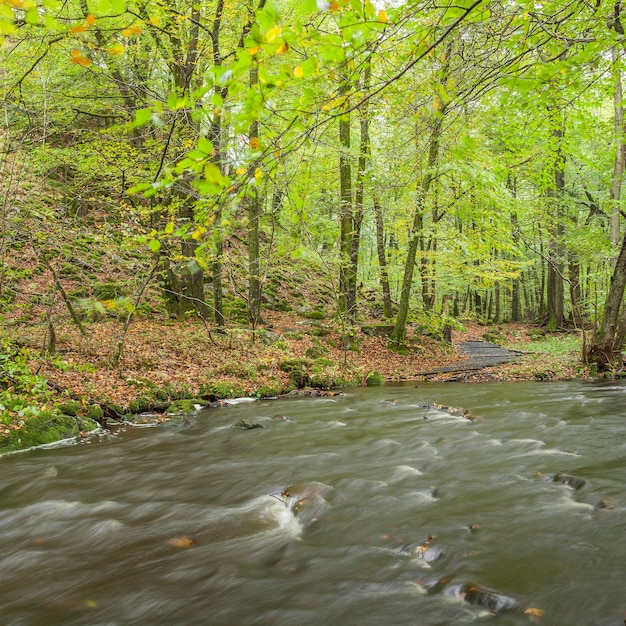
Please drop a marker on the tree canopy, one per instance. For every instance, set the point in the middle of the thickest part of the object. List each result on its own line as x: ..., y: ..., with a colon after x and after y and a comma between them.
x: 428, y: 160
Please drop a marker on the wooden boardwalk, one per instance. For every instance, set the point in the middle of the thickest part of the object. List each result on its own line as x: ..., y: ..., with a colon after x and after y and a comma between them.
x: 480, y: 354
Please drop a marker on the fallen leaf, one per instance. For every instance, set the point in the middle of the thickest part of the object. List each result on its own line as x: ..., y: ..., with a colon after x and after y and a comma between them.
x: 182, y: 542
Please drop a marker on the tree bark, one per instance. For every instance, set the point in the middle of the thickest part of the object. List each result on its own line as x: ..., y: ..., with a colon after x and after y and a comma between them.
x: 601, y: 350
x: 618, y: 166
x: 555, y: 286
x: 346, y: 217
x: 382, y: 259
x: 398, y: 336
x: 254, y: 215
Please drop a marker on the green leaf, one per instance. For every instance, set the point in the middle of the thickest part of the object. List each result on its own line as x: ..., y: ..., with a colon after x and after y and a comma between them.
x: 101, y: 7
x: 155, y: 245
x: 32, y: 16
x: 118, y: 6
x: 143, y: 116
x: 205, y: 145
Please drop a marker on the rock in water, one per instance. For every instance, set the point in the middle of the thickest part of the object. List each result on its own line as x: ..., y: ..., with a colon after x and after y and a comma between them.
x: 246, y: 424
x: 479, y: 596
x: 570, y: 481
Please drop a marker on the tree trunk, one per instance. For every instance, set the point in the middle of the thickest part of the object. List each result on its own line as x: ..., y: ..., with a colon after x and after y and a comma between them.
x: 556, y: 291
x: 254, y: 215
x: 382, y: 259
x: 346, y: 278
x: 398, y: 335
x: 602, y: 348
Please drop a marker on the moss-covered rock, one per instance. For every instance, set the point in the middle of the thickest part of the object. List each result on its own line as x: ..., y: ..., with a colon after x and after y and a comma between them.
x: 222, y: 389
x: 314, y: 315
x: 374, y: 378
x: 298, y: 370
x: 46, y: 427
x: 95, y: 412
x: 142, y: 403
x: 182, y: 407
x: 328, y: 375
x: 69, y: 408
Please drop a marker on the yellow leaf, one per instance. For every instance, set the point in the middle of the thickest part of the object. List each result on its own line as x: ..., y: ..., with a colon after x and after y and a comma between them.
x: 90, y: 19
x: 254, y: 143
x: 81, y: 28
x: 118, y: 48
x: 272, y: 33
x: 334, y: 6
x: 200, y: 230
x: 240, y: 170
x: 382, y: 15
x: 253, y: 51
x: 258, y: 173
x: 136, y: 30
x: 155, y: 20
x: 282, y: 48
x: 76, y: 56
x: 181, y: 542
x: 127, y: 32
x: 533, y: 611
x: 298, y: 72
x: 15, y: 3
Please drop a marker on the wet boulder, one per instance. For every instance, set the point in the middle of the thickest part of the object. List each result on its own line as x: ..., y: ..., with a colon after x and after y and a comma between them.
x: 571, y: 481
x: 246, y: 424
x: 487, y: 599
x: 605, y: 503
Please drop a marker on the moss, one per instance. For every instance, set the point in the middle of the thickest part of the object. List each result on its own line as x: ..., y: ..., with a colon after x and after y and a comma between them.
x: 280, y: 305
x: 298, y: 370
x: 181, y: 407
x: 44, y: 428
x: 95, y: 412
x: 314, y: 315
x: 374, y: 378
x: 69, y: 408
x: 318, y: 331
x: 139, y: 404
x: 222, y: 389
x: 316, y: 351
x: 236, y: 310
x: 109, y: 290
x: 275, y: 388
x: 328, y: 375
x: 171, y: 393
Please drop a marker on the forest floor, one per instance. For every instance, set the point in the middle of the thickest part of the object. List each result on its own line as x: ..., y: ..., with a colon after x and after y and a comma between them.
x: 190, y: 359
x: 301, y: 344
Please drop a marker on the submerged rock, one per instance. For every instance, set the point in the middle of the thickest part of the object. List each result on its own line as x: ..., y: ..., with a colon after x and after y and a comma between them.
x: 606, y: 504
x: 570, y: 481
x: 487, y: 599
x: 246, y: 424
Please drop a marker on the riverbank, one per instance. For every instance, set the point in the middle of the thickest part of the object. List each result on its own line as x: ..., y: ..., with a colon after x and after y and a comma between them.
x: 168, y: 367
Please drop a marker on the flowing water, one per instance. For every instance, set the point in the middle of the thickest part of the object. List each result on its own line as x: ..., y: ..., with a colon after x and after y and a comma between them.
x: 385, y: 511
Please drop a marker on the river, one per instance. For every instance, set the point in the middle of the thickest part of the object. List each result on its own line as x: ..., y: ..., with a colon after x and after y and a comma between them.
x: 373, y: 507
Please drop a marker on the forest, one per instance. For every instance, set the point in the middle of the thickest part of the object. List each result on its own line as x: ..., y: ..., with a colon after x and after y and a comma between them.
x: 212, y: 199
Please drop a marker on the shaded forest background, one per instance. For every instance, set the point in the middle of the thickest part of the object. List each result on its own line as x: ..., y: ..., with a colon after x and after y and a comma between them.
x: 223, y: 168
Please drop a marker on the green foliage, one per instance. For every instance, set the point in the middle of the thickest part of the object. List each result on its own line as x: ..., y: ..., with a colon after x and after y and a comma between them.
x: 22, y: 393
